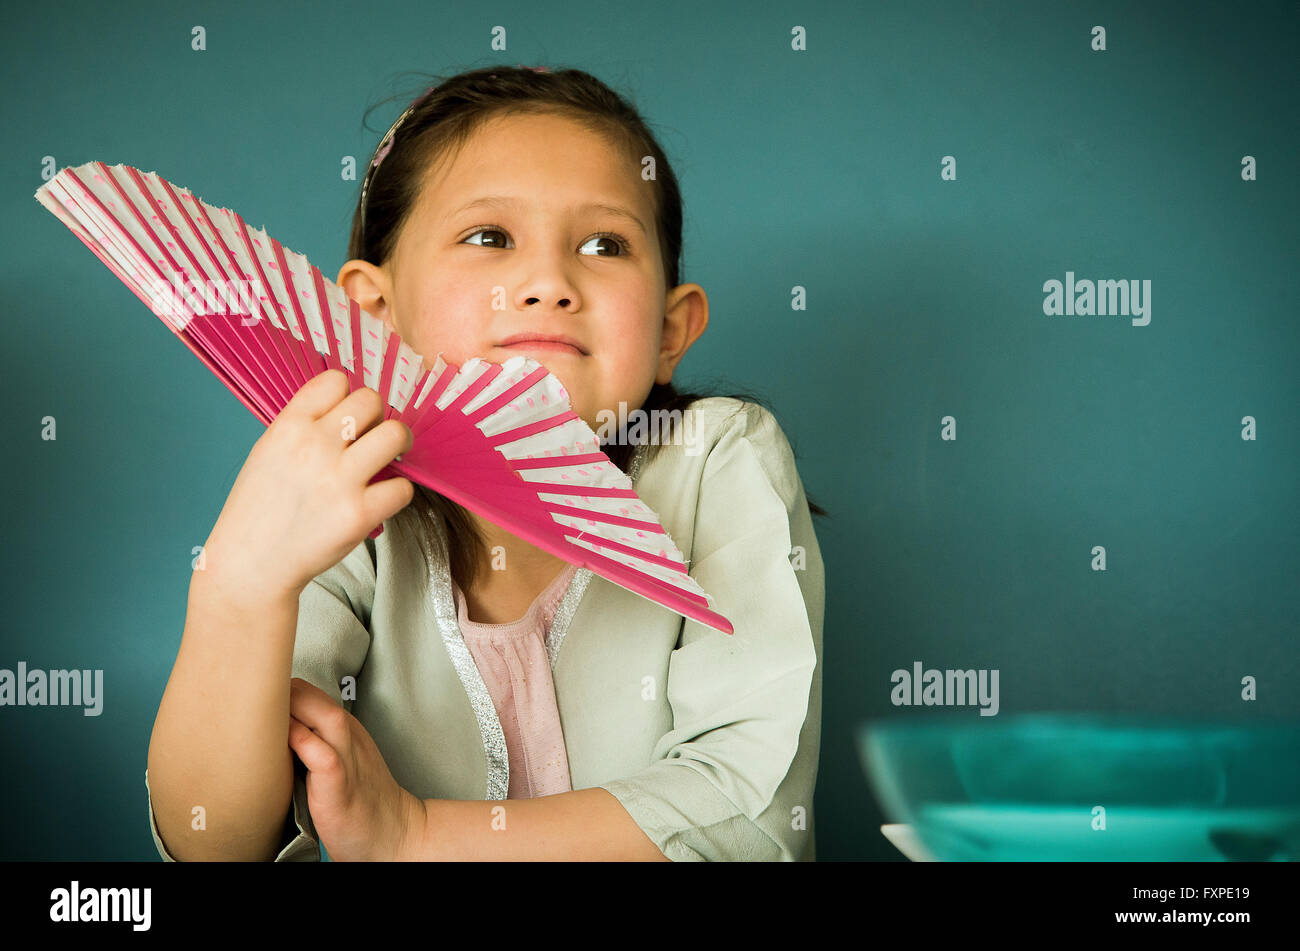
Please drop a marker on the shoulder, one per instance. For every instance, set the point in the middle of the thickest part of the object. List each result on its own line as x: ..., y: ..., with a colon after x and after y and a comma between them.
x: 732, y: 430
x: 729, y: 417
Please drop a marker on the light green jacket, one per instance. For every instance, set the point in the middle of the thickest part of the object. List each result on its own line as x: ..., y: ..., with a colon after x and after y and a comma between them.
x: 710, y: 741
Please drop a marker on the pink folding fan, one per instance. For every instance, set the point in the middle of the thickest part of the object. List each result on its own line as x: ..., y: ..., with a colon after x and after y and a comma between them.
x: 499, y: 439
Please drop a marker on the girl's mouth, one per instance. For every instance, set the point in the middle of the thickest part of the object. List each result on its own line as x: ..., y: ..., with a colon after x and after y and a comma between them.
x: 541, y: 342
x: 547, y: 345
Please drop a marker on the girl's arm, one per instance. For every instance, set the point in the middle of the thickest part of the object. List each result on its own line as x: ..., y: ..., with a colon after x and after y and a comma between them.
x: 586, y: 825
x: 220, y: 740
x: 302, y: 501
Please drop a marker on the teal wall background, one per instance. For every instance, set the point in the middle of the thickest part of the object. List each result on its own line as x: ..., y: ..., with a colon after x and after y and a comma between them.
x: 818, y: 168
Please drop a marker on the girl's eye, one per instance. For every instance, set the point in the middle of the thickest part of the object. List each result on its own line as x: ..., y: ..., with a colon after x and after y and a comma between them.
x: 617, y: 244
x: 496, y: 242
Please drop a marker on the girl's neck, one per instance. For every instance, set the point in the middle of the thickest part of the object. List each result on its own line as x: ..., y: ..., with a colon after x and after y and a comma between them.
x: 512, y: 578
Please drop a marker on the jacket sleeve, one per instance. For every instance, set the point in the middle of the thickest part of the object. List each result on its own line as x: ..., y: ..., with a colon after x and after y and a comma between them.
x: 733, y: 780
x: 331, y: 642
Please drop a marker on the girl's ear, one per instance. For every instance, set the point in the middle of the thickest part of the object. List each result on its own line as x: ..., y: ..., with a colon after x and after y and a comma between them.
x: 370, y: 287
x: 686, y: 314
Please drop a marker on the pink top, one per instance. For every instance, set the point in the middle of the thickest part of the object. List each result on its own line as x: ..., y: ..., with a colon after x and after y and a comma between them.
x: 512, y: 660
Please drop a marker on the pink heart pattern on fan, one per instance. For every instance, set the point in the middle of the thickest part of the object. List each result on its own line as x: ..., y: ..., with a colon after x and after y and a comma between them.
x: 500, y: 439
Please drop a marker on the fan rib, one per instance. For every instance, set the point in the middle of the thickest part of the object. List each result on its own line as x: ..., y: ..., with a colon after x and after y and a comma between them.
x: 663, y: 561
x: 529, y: 429
x: 621, y: 520
x: 510, y: 394
x: 386, y: 378
x: 597, y: 491
x: 545, y: 462
x: 358, y: 372
x: 426, y: 411
x: 327, y: 316
x: 474, y: 389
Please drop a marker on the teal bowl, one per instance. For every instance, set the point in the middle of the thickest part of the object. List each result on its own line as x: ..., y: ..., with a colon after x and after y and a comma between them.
x: 1088, y: 788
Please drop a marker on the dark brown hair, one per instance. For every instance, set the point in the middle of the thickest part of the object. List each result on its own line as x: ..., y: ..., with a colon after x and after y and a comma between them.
x: 438, y: 125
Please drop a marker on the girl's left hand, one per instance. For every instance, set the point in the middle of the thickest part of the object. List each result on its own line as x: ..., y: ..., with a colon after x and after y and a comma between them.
x: 360, y: 812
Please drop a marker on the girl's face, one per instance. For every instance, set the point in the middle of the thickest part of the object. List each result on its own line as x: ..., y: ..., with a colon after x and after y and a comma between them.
x: 537, y: 226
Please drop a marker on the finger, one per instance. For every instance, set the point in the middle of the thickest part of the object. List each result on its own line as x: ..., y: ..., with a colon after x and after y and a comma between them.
x: 376, y: 449
x: 316, y: 754
x: 319, y: 712
x: 354, y: 416
x: 385, y: 499
x: 319, y: 394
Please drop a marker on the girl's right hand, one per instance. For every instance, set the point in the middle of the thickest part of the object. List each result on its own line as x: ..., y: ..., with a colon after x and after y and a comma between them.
x: 301, y: 502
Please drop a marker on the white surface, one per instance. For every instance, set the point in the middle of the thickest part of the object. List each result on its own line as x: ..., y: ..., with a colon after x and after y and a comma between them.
x: 904, y: 839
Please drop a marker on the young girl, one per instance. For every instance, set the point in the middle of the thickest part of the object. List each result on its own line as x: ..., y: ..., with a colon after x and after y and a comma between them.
x: 445, y: 664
